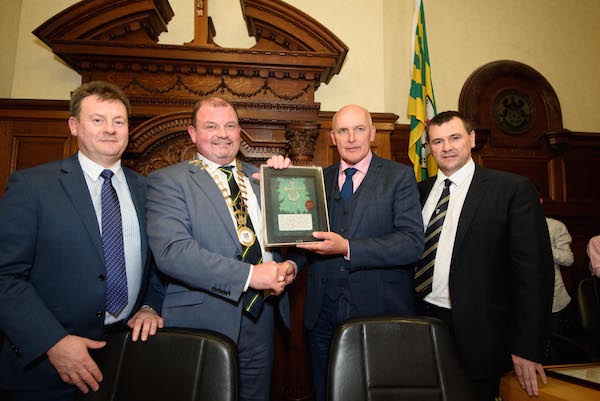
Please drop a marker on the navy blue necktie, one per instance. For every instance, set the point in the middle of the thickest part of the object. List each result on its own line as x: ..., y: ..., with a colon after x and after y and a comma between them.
x: 252, y: 300
x: 424, y: 271
x: 348, y: 187
x: 114, y: 249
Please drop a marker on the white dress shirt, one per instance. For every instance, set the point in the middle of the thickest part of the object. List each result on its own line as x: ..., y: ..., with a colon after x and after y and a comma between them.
x: 251, y: 202
x: 131, y: 227
x: 461, y: 181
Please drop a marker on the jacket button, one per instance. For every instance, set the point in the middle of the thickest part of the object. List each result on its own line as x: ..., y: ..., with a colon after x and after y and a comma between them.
x: 101, y: 277
x: 323, y: 280
x: 99, y: 314
x: 214, y: 289
x: 239, y: 257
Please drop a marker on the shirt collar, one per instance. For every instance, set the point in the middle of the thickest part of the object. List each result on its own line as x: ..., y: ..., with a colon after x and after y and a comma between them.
x: 93, y: 169
x: 212, y: 166
x: 459, y: 176
x: 361, y: 166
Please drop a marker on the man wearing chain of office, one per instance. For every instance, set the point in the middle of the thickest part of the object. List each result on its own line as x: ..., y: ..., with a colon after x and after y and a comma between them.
x: 205, y: 229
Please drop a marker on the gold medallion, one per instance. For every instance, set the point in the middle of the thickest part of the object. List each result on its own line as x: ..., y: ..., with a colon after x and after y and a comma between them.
x: 246, y: 236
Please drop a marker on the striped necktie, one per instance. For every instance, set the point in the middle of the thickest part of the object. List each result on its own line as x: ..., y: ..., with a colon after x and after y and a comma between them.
x: 252, y: 300
x: 424, y: 270
x: 113, y: 246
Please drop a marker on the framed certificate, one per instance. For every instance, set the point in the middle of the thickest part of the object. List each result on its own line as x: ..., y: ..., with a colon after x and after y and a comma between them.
x: 586, y: 374
x: 293, y: 204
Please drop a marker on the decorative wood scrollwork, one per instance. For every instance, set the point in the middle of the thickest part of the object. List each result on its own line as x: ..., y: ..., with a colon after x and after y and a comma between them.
x: 302, y: 138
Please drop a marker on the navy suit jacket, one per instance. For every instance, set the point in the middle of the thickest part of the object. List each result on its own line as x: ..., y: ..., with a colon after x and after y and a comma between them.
x: 196, y: 246
x: 386, y: 235
x: 52, y: 268
x: 501, y: 273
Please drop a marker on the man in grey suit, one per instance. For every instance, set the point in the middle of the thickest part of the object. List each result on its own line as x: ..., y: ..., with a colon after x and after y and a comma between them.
x: 361, y: 266
x: 205, y: 228
x: 67, y: 277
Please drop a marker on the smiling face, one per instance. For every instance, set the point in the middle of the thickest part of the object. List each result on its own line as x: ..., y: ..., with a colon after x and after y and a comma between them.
x: 101, y: 129
x: 451, y: 145
x: 352, y: 133
x: 216, y: 132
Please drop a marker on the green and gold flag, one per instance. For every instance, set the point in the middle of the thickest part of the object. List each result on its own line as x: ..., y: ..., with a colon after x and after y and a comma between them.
x: 421, y: 101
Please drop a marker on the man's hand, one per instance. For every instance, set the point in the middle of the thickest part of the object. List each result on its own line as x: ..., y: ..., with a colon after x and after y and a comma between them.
x: 72, y: 361
x: 525, y: 371
x: 277, y: 162
x: 287, y: 270
x: 146, y: 320
x: 334, y: 244
x: 268, y: 276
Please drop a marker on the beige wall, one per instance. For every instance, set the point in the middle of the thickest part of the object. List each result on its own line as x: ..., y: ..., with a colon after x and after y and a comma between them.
x: 556, y: 38
x: 10, y: 13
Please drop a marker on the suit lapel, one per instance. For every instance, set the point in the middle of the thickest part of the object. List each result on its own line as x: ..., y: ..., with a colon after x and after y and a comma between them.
x: 367, y: 189
x: 207, y: 185
x: 136, y: 189
x: 425, y: 188
x: 469, y: 209
x: 331, y: 185
x: 248, y: 170
x: 74, y: 184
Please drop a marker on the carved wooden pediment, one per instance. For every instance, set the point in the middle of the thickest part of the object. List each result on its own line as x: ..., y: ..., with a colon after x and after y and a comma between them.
x: 119, y: 37
x: 272, y: 84
x: 126, y: 21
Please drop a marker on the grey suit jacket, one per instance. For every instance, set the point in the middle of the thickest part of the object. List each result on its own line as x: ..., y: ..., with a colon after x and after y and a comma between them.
x: 195, y: 244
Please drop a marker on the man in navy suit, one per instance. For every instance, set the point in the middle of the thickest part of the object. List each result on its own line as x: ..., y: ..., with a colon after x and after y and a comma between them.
x: 205, y: 229
x: 55, y: 282
x: 360, y: 267
x: 487, y: 269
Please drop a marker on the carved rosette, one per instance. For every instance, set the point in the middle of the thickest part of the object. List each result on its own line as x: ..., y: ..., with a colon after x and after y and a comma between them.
x: 301, y: 139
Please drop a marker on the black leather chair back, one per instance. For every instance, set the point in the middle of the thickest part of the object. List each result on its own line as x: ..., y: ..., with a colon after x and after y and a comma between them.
x: 395, y: 358
x: 588, y: 297
x: 173, y: 365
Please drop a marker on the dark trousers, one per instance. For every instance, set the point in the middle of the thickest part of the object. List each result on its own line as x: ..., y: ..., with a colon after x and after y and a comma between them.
x: 65, y: 394
x: 486, y: 389
x: 319, y: 339
x: 256, y: 354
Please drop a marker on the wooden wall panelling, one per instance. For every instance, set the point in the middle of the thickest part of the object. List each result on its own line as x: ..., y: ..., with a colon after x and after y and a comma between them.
x: 31, y: 133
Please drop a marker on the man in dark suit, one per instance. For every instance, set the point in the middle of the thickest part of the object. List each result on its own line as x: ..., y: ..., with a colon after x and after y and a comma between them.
x: 61, y: 287
x: 487, y: 268
x: 205, y: 228
x: 359, y: 268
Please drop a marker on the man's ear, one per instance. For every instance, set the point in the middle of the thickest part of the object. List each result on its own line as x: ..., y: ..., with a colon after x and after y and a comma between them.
x: 73, y: 123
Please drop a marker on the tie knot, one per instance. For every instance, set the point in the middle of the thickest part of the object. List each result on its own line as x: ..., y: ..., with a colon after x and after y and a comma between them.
x: 350, y: 172
x: 226, y: 169
x: 107, y: 174
x: 447, y: 182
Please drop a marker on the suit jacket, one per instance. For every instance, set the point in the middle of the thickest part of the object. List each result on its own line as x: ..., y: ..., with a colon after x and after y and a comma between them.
x: 386, y: 235
x: 52, y: 268
x: 196, y: 245
x: 501, y: 273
